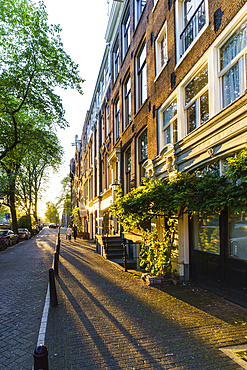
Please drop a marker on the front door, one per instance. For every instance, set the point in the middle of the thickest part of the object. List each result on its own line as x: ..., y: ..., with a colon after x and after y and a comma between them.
x: 206, y: 255
x: 236, y: 259
x: 218, y: 251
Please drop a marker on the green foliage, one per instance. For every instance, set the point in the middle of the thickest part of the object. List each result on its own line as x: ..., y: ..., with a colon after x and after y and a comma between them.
x: 25, y: 221
x: 51, y: 213
x: 156, y: 253
x: 77, y: 219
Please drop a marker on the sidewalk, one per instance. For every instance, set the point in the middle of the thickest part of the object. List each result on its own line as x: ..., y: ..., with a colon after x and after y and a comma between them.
x: 109, y: 319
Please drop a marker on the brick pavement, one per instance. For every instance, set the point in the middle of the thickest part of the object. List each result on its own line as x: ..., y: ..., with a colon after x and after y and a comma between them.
x: 23, y: 285
x: 109, y: 319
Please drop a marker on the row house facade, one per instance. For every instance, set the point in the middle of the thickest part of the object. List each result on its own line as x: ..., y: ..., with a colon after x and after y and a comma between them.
x: 170, y: 96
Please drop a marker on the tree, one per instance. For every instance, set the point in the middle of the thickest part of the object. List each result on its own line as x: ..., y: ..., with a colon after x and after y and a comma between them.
x: 64, y: 200
x: 33, y: 62
x: 51, y: 213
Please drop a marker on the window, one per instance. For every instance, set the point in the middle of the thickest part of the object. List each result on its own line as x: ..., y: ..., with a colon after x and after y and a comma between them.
x: 233, y: 64
x: 127, y: 102
x: 141, y: 78
x: 170, y: 129
x: 161, y: 50
x: 102, y: 130
x: 191, y: 17
x: 116, y: 121
x: 102, y: 175
x: 126, y: 31
x: 139, y: 6
x: 238, y: 236
x: 206, y: 234
x: 142, y: 154
x: 107, y: 120
x: 116, y: 61
x: 196, y: 100
x: 127, y: 170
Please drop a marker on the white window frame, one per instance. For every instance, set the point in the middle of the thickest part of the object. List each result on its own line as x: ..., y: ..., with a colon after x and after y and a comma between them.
x: 126, y: 101
x: 139, y: 7
x: 240, y: 59
x: 116, y: 131
x: 107, y: 112
x: 140, y: 160
x: 116, y: 62
x: 172, y: 125
x: 126, y: 32
x: 159, y: 63
x: 195, y: 100
x: 127, y: 170
x: 141, y: 75
x: 180, y: 26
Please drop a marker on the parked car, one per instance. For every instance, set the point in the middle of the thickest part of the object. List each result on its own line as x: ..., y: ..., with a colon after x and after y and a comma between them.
x: 24, y: 233
x: 52, y: 225
x: 9, y: 236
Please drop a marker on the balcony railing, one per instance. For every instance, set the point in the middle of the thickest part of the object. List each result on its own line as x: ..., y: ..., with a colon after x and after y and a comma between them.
x: 193, y: 27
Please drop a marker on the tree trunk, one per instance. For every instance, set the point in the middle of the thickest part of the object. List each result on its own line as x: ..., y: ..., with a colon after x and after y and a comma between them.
x: 13, y: 211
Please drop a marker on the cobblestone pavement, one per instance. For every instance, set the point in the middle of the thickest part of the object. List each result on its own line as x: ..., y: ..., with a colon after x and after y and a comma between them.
x: 23, y: 285
x: 109, y: 319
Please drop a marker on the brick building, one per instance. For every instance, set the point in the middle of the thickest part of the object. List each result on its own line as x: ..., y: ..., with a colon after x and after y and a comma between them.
x: 170, y: 96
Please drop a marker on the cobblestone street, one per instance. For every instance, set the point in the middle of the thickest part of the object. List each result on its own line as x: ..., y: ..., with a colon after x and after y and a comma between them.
x: 109, y: 319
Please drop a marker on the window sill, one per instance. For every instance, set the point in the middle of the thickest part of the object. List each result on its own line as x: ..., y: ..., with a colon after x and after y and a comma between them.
x: 162, y: 69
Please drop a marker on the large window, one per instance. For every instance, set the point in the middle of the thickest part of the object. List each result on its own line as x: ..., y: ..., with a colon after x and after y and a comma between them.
x: 238, y: 236
x: 142, y: 154
x: 126, y: 31
x: 196, y: 100
x: 170, y: 129
x: 206, y: 234
x: 139, y: 6
x: 126, y: 102
x: 116, y: 120
x: 141, y: 78
x: 127, y: 165
x: 233, y: 65
x: 102, y: 129
x: 116, y: 60
x: 161, y: 50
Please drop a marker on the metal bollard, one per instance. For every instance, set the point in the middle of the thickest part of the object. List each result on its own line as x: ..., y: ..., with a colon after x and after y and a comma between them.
x: 55, y: 263
x: 53, y: 293
x: 41, y: 358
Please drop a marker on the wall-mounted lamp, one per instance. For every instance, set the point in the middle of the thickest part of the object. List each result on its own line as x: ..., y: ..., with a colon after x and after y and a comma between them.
x: 115, y: 185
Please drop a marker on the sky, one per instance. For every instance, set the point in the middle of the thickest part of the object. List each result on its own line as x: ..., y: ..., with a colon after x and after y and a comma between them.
x: 84, y: 25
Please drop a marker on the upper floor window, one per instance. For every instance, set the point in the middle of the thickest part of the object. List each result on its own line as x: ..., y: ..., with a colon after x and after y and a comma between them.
x: 126, y: 102
x: 196, y: 100
x: 142, y: 148
x: 127, y: 164
x: 102, y: 129
x: 141, y: 77
x: 116, y: 132
x: 161, y: 50
x: 107, y: 120
x: 170, y: 129
x: 139, y: 6
x: 116, y: 60
x: 233, y: 64
x: 191, y: 17
x: 126, y: 31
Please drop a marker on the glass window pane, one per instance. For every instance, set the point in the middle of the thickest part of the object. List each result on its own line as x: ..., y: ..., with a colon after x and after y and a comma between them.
x: 193, y: 88
x: 204, y: 107
x: 175, y: 132
x: 191, y: 117
x: 168, y: 135
x: 238, y: 236
x: 231, y: 85
x: 170, y: 112
x: 233, y: 46
x: 206, y: 234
